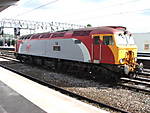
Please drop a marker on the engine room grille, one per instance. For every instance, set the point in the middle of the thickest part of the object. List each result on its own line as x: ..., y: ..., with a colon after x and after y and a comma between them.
x: 81, y: 33
x: 58, y: 35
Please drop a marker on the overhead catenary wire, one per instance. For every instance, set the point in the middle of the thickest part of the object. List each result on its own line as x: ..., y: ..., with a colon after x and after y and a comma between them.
x: 43, y: 5
x: 110, y: 6
x: 95, y: 9
x: 69, y: 14
x: 89, y: 18
x: 112, y: 14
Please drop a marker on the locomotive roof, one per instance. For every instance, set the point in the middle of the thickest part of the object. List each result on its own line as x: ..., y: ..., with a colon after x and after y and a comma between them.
x: 85, y: 31
x: 110, y: 29
x: 99, y: 30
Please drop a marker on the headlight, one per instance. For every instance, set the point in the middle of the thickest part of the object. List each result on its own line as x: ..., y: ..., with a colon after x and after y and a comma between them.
x: 121, y: 61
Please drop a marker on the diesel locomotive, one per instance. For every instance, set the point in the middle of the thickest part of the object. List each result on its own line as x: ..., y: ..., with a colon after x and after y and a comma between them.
x: 88, y: 50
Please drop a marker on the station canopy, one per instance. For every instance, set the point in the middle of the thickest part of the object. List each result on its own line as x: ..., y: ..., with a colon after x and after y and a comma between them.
x: 6, y: 3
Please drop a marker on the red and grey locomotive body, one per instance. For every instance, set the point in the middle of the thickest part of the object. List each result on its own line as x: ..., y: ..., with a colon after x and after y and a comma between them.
x: 110, y: 47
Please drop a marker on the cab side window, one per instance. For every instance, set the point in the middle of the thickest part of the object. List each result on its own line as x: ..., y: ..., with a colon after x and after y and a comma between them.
x: 96, y: 40
x: 108, y: 40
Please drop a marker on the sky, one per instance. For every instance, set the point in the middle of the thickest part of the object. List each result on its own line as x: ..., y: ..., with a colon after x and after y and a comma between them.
x: 133, y: 14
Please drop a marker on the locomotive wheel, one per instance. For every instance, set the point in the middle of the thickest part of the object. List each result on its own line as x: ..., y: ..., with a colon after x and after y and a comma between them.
x: 59, y: 65
x: 64, y: 67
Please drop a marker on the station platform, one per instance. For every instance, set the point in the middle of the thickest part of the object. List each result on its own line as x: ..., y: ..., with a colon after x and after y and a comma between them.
x: 12, y: 102
x: 21, y: 95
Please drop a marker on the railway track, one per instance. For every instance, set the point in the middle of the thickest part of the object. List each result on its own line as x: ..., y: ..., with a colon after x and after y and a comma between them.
x: 145, y: 73
x: 62, y: 90
x: 143, y: 79
x: 9, y: 58
x: 146, y: 70
x: 6, y: 52
x: 137, y: 84
x: 127, y: 84
x: 140, y: 83
x: 138, y: 80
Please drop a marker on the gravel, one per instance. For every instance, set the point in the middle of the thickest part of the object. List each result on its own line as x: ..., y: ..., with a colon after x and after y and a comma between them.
x: 131, y: 101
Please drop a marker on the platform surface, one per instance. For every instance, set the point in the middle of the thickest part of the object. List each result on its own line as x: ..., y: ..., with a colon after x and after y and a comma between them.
x: 12, y: 102
x: 20, y: 95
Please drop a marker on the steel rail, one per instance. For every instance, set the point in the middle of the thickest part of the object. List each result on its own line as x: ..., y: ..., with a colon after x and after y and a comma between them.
x: 135, y: 81
x: 145, y: 73
x: 9, y: 58
x: 134, y: 88
x: 146, y: 70
x: 142, y: 79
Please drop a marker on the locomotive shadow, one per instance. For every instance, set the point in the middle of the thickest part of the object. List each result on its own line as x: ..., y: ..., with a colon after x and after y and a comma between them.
x: 72, y: 81
x: 59, y: 79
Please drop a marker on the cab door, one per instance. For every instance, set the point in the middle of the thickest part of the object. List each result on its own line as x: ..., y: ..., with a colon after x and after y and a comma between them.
x: 96, y: 49
x: 108, y: 49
